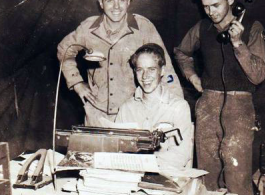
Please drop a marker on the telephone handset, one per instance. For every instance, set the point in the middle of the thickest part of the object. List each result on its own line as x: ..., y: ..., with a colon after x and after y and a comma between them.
x: 238, y: 11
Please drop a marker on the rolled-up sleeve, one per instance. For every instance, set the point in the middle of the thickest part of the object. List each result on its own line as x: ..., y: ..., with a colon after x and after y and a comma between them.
x: 252, y: 56
x: 67, y: 51
x: 183, y: 53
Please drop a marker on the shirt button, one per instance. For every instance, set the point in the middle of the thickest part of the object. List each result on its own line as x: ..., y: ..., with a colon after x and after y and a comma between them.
x: 111, y: 79
x: 111, y: 94
x: 111, y: 63
x: 110, y: 109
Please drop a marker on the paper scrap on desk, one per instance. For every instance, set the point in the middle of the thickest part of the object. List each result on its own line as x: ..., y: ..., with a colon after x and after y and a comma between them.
x: 129, y: 162
x: 109, y: 124
x: 182, y: 172
x: 1, y: 172
x: 111, y: 175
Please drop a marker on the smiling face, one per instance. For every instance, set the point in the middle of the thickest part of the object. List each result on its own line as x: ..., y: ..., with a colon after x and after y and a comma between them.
x: 148, y: 72
x: 218, y: 10
x: 115, y: 10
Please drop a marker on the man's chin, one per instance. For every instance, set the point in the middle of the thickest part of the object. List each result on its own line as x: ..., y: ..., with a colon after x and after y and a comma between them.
x: 148, y: 91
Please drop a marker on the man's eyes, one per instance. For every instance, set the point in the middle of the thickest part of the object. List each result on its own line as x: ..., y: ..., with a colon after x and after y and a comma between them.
x: 210, y: 6
x: 149, y: 70
x: 109, y: 1
x: 152, y: 69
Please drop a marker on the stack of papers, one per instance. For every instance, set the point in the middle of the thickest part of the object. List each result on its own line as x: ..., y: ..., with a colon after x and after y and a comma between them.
x: 108, y: 182
x: 127, y: 162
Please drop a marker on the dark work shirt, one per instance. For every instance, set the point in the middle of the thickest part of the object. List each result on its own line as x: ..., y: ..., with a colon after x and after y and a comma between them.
x: 251, y: 56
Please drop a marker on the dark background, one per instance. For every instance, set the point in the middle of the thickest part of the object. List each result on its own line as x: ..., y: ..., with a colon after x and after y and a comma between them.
x: 30, y: 33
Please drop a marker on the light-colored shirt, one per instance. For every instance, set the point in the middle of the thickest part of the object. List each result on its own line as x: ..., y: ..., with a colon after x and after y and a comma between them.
x: 251, y: 56
x: 113, y: 80
x: 168, y: 109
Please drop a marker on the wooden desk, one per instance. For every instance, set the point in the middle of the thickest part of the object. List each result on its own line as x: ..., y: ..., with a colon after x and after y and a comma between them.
x: 5, y: 186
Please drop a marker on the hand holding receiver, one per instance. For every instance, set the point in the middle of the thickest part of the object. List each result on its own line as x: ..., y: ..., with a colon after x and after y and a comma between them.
x: 196, y: 81
x: 85, y: 93
x: 235, y: 31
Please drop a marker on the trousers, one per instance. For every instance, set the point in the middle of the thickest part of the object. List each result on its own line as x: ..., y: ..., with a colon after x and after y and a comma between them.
x: 227, y: 151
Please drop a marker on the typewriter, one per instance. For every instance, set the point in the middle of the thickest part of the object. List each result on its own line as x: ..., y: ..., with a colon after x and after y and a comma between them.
x: 98, y: 139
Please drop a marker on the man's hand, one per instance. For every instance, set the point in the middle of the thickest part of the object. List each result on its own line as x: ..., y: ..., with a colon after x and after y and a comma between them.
x: 85, y: 93
x: 235, y: 31
x: 196, y: 81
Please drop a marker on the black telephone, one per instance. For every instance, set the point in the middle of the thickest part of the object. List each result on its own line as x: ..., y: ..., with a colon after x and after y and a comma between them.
x: 238, y: 11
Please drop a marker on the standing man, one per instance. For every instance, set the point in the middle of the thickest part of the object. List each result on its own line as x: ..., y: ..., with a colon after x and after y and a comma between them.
x: 117, y: 34
x: 224, y: 113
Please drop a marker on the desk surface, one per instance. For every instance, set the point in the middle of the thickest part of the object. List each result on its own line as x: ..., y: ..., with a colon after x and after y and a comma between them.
x: 48, y: 189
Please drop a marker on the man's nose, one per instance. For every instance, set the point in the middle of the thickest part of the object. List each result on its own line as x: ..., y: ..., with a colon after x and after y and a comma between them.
x: 145, y: 74
x: 210, y: 11
x: 116, y: 4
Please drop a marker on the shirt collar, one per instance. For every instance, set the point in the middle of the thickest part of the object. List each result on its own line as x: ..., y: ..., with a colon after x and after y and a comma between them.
x: 130, y: 20
x: 165, y: 97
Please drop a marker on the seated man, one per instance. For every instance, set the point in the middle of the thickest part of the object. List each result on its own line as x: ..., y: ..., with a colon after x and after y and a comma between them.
x: 153, y: 106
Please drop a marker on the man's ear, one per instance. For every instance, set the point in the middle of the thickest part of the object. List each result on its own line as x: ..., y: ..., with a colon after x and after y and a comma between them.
x: 100, y: 3
x: 162, y: 70
x: 230, y: 2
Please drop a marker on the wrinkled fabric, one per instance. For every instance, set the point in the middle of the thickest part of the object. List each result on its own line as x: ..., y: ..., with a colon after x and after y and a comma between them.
x: 236, y: 147
x: 250, y: 55
x: 113, y: 79
x: 168, y: 109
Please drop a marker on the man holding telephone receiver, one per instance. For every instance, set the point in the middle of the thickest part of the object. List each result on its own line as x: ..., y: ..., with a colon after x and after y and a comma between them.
x: 225, y: 116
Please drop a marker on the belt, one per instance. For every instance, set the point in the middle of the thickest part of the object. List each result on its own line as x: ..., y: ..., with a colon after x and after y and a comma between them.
x: 230, y: 92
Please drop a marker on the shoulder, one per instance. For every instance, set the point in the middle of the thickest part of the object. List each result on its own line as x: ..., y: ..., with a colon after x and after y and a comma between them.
x: 178, y: 102
x: 89, y: 21
x: 141, y: 18
x: 142, y: 21
x: 129, y: 103
x: 257, y: 27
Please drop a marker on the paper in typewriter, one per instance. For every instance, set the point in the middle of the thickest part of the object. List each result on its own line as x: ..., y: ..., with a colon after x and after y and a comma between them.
x: 129, y: 162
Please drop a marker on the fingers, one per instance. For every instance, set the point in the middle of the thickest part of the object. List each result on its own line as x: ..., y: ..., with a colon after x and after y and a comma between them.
x: 85, y: 93
x: 196, y: 81
x: 88, y: 97
x: 236, y: 30
x: 198, y: 87
x: 237, y: 26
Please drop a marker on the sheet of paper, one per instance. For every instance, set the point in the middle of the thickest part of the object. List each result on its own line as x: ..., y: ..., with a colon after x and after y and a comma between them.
x: 117, y: 189
x: 182, y: 172
x: 1, y: 172
x: 129, y: 162
x: 111, y: 175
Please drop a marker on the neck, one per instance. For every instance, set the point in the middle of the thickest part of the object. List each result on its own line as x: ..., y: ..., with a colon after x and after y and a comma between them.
x: 153, y: 96
x: 114, y: 25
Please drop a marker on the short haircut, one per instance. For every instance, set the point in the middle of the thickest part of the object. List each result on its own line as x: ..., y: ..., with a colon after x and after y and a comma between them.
x: 150, y: 48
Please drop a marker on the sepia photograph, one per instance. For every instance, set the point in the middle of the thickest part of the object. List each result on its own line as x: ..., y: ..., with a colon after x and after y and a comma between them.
x: 132, y: 97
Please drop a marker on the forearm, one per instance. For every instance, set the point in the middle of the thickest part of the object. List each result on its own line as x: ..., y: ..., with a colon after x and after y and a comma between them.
x: 185, y: 63
x: 184, y: 52
x: 252, y: 56
x: 253, y: 66
x: 67, y: 51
